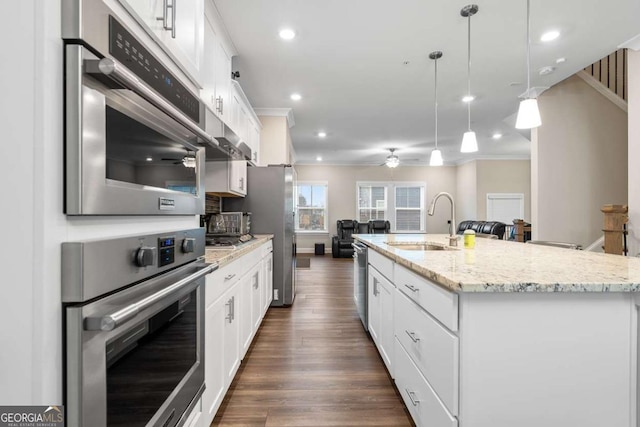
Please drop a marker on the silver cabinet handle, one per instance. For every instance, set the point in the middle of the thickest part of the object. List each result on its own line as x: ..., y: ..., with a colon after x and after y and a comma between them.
x: 229, y: 276
x: 116, y: 319
x: 165, y: 12
x: 218, y: 103
x: 222, y: 105
x: 375, y: 287
x: 411, y: 288
x: 256, y: 281
x: 117, y: 72
x: 231, y: 304
x: 413, y: 337
x: 242, y: 184
x: 414, y: 401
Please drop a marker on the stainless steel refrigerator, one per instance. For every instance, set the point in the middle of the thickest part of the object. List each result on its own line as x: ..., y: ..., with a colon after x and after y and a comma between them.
x: 271, y: 203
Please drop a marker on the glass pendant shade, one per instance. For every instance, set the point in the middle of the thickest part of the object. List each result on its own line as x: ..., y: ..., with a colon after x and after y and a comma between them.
x: 392, y: 161
x: 528, y: 114
x: 469, y: 143
x: 436, y: 158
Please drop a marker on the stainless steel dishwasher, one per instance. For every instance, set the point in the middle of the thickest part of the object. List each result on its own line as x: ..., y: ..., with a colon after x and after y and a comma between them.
x: 360, y: 282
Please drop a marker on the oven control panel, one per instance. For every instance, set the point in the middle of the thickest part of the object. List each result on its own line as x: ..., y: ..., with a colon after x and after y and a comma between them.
x: 131, y: 53
x: 167, y: 250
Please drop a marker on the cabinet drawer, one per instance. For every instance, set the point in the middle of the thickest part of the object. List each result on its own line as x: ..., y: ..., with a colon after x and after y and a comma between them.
x: 266, y: 248
x: 222, y: 279
x: 383, y: 264
x: 432, y: 348
x: 423, y: 404
x: 440, y: 303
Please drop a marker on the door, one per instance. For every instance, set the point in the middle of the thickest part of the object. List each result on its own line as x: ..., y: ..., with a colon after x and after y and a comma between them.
x: 231, y: 346
x: 214, y: 366
x: 256, y: 297
x: 223, y: 81
x: 386, y: 328
x: 268, y: 281
x: 374, y: 304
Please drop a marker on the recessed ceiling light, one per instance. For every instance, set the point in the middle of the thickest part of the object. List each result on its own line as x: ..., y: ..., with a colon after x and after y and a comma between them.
x: 468, y: 98
x: 322, y: 134
x: 296, y: 96
x: 287, y: 34
x: 549, y: 36
x: 319, y: 158
x: 561, y: 60
x: 149, y: 159
x: 496, y: 135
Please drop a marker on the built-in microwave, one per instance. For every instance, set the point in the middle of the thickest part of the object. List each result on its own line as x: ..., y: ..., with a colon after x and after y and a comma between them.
x: 134, y: 133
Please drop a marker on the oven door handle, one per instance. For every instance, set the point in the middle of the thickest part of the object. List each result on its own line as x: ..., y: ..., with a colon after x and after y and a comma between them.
x: 111, y: 321
x: 117, y: 72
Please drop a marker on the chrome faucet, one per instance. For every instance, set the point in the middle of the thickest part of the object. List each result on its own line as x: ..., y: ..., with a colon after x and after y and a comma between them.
x: 453, y: 239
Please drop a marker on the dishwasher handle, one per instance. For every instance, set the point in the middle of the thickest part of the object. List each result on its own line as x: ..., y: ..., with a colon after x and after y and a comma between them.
x: 359, y: 247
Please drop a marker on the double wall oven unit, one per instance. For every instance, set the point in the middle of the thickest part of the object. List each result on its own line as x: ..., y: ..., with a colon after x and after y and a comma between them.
x: 134, y: 340
x: 134, y: 133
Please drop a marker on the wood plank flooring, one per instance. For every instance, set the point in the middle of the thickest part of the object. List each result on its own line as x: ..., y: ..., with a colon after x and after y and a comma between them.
x: 313, y: 364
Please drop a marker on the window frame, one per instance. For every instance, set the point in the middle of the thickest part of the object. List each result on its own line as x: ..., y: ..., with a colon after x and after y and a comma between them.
x: 297, y: 208
x: 390, y: 199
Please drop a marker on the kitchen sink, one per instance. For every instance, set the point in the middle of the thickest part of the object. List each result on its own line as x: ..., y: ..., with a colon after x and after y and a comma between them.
x: 407, y: 246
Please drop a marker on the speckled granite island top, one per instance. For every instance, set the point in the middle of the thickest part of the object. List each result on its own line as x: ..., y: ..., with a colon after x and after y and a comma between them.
x: 225, y: 256
x: 501, y: 266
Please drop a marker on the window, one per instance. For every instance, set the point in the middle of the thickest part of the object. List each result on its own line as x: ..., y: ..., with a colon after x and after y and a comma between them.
x: 401, y: 203
x: 372, y: 202
x: 311, y: 206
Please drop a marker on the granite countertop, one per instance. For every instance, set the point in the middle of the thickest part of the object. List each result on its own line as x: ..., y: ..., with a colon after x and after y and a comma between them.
x: 502, y: 266
x: 224, y: 256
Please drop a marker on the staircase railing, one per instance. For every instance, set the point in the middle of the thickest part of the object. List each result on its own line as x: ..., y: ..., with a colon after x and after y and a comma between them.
x: 611, y: 71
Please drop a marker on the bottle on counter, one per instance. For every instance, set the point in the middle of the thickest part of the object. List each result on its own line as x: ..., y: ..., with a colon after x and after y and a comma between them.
x: 469, y: 239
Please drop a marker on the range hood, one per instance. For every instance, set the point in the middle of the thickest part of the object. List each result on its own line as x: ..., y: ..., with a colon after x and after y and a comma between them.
x: 230, y: 146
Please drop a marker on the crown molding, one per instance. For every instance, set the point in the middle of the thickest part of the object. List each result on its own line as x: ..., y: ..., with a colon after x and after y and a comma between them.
x: 633, y: 43
x: 278, y: 112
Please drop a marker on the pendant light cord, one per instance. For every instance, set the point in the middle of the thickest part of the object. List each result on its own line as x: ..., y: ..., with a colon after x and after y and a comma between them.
x: 528, y: 50
x: 436, y: 104
x: 469, y: 72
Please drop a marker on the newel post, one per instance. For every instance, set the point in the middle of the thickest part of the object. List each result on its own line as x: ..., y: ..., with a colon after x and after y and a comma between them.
x: 615, y: 217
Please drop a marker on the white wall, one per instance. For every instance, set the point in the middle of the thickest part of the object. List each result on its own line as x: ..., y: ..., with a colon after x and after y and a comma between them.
x: 466, y: 195
x: 633, y: 71
x: 342, y: 192
x: 32, y: 149
x: 581, y: 161
x: 503, y: 176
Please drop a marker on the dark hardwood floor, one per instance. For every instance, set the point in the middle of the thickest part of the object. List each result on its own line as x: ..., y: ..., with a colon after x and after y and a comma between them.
x: 313, y: 364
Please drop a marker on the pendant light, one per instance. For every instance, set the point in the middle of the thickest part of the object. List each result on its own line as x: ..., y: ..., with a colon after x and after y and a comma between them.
x: 528, y: 113
x: 469, y: 142
x: 436, y: 155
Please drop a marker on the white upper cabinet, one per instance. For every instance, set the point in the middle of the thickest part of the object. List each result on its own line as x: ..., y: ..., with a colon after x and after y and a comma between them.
x: 216, y: 66
x: 179, y: 27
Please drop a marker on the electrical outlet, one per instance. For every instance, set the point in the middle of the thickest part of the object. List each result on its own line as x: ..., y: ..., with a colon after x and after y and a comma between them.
x: 275, y: 294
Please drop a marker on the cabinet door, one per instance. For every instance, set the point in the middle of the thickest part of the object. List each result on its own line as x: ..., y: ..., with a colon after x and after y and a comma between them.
x: 223, y: 82
x: 208, y: 72
x: 268, y: 282
x: 256, y: 297
x: 231, y: 346
x: 254, y: 131
x: 185, y: 41
x: 374, y: 303
x: 386, y: 330
x: 214, y: 360
x: 246, y: 326
x: 238, y: 177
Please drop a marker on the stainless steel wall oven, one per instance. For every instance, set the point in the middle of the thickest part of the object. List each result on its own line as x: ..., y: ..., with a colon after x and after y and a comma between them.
x: 133, y: 132
x: 134, y: 310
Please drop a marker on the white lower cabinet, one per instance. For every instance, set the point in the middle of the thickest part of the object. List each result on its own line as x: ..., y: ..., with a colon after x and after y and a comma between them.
x: 418, y: 395
x: 432, y: 347
x: 230, y: 298
x: 267, y: 282
x: 380, y: 304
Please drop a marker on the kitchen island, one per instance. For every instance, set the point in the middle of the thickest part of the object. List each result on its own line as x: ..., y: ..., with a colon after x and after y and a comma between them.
x: 505, y: 334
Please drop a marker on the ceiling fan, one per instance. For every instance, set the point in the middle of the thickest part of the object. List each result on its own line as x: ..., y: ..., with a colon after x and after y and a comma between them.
x: 393, y: 161
x: 189, y: 161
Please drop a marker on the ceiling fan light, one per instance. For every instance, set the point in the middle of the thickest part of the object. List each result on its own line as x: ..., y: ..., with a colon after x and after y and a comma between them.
x: 528, y: 114
x: 436, y: 158
x: 189, y: 162
x: 392, y: 161
x: 469, y: 143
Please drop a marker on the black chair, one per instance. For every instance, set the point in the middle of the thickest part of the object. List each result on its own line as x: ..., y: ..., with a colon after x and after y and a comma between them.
x: 379, y: 226
x: 341, y: 243
x: 363, y: 228
x: 495, y: 228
